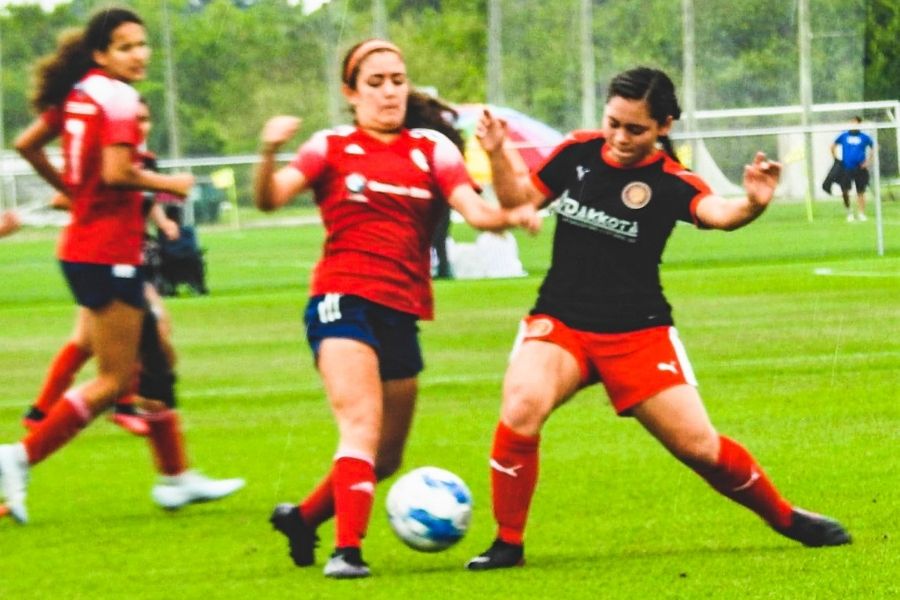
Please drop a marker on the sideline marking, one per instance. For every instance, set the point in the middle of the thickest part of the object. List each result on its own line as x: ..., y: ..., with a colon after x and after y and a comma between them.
x: 829, y: 272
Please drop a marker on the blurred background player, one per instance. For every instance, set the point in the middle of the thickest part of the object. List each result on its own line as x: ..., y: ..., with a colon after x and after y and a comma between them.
x: 380, y: 188
x: 76, y: 351
x: 855, y: 153
x: 429, y: 112
x: 84, y: 94
x: 601, y: 315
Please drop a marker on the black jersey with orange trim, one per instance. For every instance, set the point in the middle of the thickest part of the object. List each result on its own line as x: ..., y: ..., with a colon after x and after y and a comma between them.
x: 613, y: 222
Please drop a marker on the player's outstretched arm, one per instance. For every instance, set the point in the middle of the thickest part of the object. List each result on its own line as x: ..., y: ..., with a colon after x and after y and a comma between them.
x: 481, y: 215
x: 118, y: 170
x: 510, y: 176
x: 760, y: 179
x: 273, y: 189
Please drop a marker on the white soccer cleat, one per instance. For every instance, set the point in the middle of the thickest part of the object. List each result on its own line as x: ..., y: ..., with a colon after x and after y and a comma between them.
x: 174, y: 491
x: 346, y: 563
x: 14, y: 480
x: 862, y: 217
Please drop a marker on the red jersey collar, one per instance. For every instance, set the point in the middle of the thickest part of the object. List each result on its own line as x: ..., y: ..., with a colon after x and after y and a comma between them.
x: 402, y: 134
x: 654, y: 156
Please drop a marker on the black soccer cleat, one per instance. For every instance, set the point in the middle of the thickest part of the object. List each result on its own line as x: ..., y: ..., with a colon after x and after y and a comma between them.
x: 814, y: 530
x: 302, y: 539
x: 501, y: 555
x: 32, y: 418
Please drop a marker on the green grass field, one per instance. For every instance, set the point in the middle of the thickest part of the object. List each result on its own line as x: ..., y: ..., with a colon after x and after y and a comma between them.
x: 792, y: 328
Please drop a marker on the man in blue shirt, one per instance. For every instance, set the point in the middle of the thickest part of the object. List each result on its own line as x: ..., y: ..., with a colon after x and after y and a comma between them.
x: 854, y: 157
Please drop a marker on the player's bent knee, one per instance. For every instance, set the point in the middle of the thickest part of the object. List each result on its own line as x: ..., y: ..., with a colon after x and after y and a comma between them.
x: 696, y: 450
x: 524, y: 413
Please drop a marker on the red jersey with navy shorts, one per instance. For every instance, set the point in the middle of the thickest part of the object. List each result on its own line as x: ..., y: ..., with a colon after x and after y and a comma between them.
x: 602, y: 299
x: 612, y: 225
x: 107, y: 225
x: 379, y: 203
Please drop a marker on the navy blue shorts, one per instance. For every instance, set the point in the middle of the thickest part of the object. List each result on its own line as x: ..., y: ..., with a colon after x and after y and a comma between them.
x: 94, y: 286
x: 394, y: 335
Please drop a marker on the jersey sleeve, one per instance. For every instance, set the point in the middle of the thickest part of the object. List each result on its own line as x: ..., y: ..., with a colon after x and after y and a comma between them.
x: 552, y: 177
x: 120, y: 124
x: 53, y: 118
x: 448, y: 164
x: 686, y: 192
x: 311, y: 157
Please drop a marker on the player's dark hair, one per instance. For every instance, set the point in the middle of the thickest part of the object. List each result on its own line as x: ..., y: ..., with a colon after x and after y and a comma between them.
x: 656, y: 89
x: 428, y: 112
x: 56, y: 73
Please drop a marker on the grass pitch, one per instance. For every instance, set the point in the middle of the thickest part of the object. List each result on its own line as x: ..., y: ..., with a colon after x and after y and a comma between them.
x: 792, y: 330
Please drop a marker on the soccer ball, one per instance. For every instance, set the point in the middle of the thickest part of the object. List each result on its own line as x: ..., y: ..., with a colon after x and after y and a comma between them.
x: 429, y: 509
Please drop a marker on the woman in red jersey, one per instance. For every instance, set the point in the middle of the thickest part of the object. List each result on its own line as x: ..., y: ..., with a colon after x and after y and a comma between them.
x: 77, y: 350
x: 379, y: 187
x: 601, y: 315
x: 84, y: 95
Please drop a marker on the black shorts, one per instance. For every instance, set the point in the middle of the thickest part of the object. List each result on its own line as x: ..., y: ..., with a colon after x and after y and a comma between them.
x: 393, y: 334
x: 855, y: 177
x: 95, y: 286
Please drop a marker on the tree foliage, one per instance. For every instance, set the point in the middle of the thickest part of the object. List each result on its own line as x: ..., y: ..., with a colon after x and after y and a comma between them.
x: 238, y: 62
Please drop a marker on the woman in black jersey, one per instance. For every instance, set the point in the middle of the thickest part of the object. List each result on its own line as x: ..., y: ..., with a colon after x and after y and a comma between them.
x: 601, y: 315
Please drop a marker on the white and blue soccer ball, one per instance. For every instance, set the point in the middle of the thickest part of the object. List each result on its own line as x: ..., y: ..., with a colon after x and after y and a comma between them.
x: 429, y: 509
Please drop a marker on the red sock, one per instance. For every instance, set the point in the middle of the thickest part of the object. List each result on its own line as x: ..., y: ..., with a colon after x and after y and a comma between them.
x: 514, y: 473
x: 737, y: 476
x: 167, y: 442
x: 318, y: 506
x: 354, y: 490
x: 67, y: 362
x: 61, y: 424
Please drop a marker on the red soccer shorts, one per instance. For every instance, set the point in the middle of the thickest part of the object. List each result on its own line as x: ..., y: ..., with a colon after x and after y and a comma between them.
x: 632, y: 366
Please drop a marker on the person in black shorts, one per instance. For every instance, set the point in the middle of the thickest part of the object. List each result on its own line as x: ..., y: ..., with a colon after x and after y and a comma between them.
x: 601, y: 315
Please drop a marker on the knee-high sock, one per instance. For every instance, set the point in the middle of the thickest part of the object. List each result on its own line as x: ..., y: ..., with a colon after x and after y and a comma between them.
x: 60, y: 375
x: 514, y: 473
x: 167, y: 442
x: 62, y: 423
x: 738, y: 476
x: 353, y: 479
x: 318, y: 506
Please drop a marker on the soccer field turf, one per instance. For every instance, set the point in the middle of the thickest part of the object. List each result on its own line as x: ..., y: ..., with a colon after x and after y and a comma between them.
x: 792, y: 328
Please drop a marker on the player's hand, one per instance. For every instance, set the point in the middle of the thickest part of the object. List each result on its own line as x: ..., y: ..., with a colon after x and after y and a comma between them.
x: 278, y: 130
x: 490, y: 132
x: 760, y: 179
x: 60, y: 202
x: 181, y: 184
x: 169, y: 229
x: 526, y: 217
